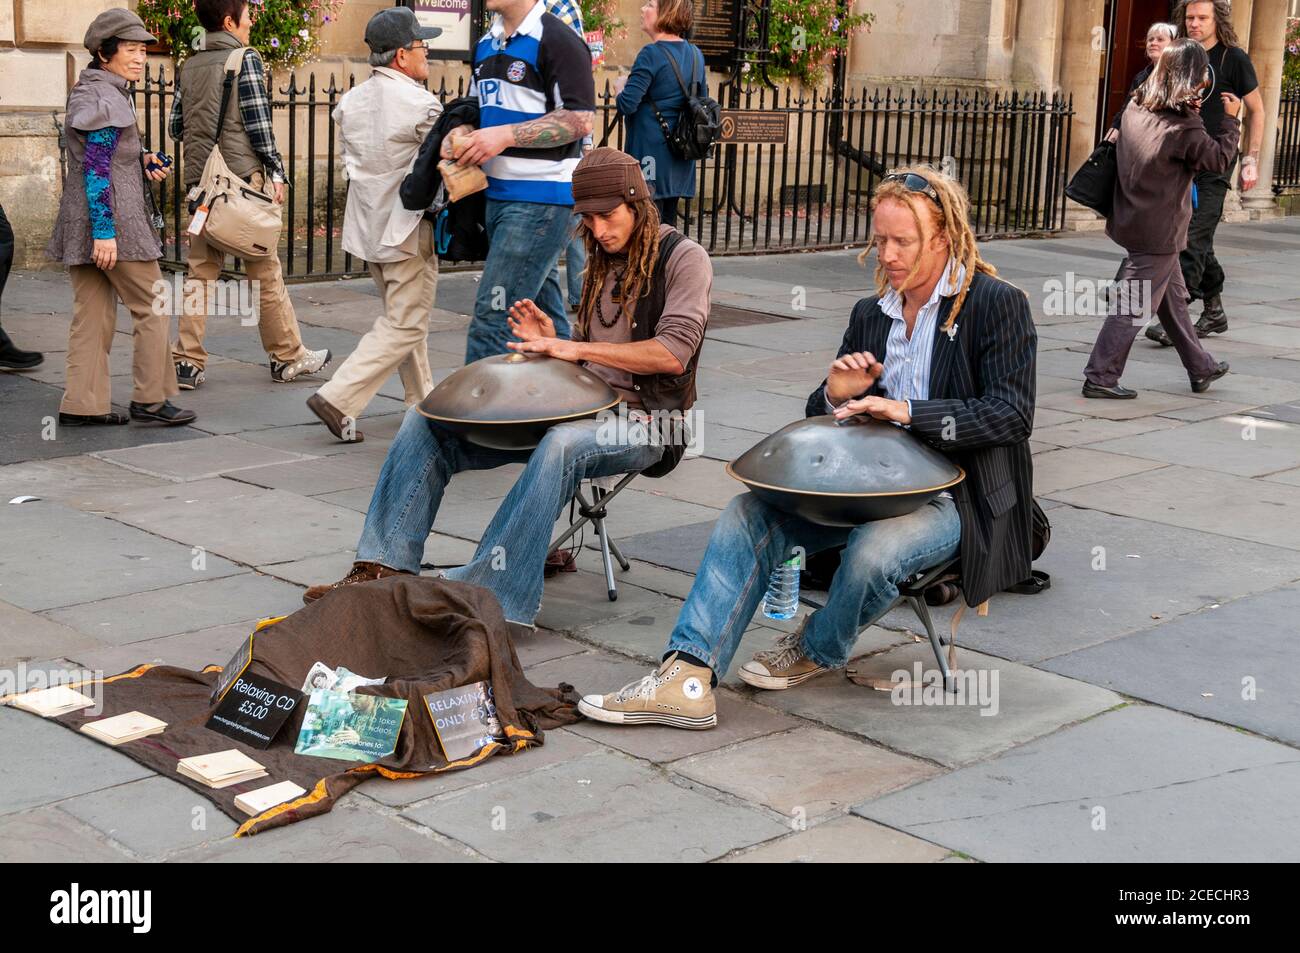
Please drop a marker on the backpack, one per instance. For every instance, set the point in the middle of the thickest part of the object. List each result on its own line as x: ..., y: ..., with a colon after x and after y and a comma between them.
x: 700, y: 123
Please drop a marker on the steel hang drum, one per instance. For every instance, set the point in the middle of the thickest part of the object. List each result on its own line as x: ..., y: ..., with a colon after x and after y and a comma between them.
x: 509, y: 401
x: 845, y: 474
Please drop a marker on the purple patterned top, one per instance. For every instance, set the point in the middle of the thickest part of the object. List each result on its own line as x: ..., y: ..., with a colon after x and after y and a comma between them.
x: 98, y: 165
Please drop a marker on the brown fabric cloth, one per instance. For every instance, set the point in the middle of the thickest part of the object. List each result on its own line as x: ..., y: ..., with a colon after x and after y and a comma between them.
x: 424, y: 634
x: 1158, y: 154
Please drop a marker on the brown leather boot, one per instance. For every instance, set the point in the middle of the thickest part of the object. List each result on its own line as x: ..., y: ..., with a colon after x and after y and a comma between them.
x: 361, y: 572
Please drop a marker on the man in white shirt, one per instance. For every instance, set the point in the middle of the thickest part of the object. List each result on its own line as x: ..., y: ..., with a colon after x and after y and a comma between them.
x: 382, y: 123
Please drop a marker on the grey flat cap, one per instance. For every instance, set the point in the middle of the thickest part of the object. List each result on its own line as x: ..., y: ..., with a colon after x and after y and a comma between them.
x: 120, y: 23
x: 395, y: 28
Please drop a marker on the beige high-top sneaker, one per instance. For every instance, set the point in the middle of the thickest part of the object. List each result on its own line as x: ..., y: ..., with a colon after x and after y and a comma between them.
x: 677, y: 694
x: 782, y: 666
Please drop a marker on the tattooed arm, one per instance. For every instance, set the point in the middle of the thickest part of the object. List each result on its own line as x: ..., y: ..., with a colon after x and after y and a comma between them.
x: 556, y: 128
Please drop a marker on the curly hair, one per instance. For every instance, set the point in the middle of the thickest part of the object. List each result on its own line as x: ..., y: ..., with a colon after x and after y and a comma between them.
x: 1222, y: 20
x: 642, y: 251
x: 952, y: 221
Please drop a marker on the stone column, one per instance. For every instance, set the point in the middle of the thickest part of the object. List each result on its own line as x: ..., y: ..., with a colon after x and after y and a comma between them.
x: 1267, y: 33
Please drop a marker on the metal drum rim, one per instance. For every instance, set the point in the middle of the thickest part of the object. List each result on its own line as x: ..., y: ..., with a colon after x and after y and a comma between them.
x: 517, y: 423
x: 961, y: 475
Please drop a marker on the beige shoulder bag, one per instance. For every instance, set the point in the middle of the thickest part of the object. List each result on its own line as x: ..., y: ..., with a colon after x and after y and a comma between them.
x: 235, y: 217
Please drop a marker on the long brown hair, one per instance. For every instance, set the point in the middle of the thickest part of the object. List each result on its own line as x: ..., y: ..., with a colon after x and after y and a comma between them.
x: 1222, y: 20
x: 953, y: 221
x: 642, y: 251
x: 1176, y: 80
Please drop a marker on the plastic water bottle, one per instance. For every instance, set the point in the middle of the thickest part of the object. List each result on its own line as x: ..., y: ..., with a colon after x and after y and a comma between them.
x: 782, y: 598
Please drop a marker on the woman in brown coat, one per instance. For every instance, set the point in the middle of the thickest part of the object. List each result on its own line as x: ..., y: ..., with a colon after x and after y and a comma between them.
x: 106, y: 236
x: 1162, y: 145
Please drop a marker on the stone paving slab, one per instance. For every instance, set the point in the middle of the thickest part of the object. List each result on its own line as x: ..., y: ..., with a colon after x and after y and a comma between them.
x: 1240, y: 444
x: 161, y: 612
x: 694, y: 480
x: 26, y: 635
x: 191, y: 650
x: 1232, y: 664
x: 70, y: 558
x: 1290, y: 413
x: 574, y: 602
x: 240, y: 521
x: 76, y: 481
x: 351, y: 833
x: 316, y: 477
x: 45, y: 762
x: 559, y: 745
x: 1261, y: 511
x: 169, y: 825
x: 314, y: 440
x: 681, y: 547
x: 1077, y: 466
x: 601, y: 808
x: 197, y: 459
x: 844, y: 840
x: 806, y: 773
x: 49, y: 836
x: 1173, y: 789
x: 1147, y: 403
x: 1207, y: 410
x: 29, y: 406
x: 1086, y: 431
x: 1029, y: 703
x: 1151, y: 570
x: 726, y: 443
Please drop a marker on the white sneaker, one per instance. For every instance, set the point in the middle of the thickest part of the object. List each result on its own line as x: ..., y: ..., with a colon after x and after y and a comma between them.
x: 677, y: 694
x: 309, y: 363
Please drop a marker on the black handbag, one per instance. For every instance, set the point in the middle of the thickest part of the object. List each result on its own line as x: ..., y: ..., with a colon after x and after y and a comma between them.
x: 1093, y: 185
x: 700, y: 124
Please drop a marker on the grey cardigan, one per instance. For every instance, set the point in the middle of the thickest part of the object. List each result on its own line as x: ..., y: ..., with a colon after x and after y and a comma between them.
x: 100, y: 99
x: 1158, y: 155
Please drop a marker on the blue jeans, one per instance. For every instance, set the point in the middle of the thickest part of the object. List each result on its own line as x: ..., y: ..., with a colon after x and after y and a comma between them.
x: 752, y: 538
x: 575, y: 260
x: 511, y: 556
x: 525, y: 242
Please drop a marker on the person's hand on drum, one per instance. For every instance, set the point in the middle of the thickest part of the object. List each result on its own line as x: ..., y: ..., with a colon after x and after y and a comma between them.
x: 851, y: 375
x: 881, y: 408
x: 529, y: 322
x: 561, y: 348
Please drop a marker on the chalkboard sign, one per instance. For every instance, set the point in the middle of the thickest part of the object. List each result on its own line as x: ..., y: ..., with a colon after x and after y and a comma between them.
x: 254, y: 710
x: 717, y: 30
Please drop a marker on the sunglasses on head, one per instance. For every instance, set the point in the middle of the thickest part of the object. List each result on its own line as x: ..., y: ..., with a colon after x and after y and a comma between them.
x: 915, y: 183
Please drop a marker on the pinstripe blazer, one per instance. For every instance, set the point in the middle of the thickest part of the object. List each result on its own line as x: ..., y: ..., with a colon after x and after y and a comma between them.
x: 980, y: 414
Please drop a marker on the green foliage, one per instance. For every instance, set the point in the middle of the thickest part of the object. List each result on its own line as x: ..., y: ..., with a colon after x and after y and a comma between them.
x: 806, y: 35
x: 285, y: 32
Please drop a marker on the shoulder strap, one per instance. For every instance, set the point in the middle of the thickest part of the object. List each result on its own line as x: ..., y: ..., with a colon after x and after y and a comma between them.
x: 234, y: 65
x: 666, y: 246
x: 678, y: 73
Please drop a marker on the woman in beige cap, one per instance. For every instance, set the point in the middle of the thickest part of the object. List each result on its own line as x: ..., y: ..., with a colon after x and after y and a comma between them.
x: 105, y: 234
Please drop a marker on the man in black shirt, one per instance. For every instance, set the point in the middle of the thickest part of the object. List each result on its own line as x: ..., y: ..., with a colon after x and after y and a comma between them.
x: 1209, y: 23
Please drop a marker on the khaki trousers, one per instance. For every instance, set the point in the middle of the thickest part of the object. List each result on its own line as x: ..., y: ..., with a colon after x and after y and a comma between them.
x: 95, y: 294
x: 276, y: 320
x: 399, y: 339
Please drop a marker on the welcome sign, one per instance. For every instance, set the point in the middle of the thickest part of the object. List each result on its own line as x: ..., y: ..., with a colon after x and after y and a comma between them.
x: 458, y: 20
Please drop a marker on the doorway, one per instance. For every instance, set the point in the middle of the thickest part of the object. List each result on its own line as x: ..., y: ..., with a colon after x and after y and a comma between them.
x: 1127, y: 24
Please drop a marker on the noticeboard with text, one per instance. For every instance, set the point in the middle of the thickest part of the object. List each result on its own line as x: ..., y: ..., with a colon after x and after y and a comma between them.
x: 753, y: 125
x: 716, y: 32
x: 458, y: 20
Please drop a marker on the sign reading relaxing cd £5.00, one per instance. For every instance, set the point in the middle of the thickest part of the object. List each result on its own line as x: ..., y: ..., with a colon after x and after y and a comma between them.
x: 254, y: 710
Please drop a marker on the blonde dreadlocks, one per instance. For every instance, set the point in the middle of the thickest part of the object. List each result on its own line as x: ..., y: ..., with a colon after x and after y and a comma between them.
x: 952, y: 221
x: 641, y: 251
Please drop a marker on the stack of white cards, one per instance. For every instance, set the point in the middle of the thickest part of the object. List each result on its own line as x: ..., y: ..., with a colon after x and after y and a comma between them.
x: 52, y: 702
x: 263, y: 799
x: 120, y: 729
x: 222, y: 769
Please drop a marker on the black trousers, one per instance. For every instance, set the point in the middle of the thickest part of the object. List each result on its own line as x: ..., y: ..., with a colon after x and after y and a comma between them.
x: 667, y: 210
x: 6, y: 250
x: 1201, y: 270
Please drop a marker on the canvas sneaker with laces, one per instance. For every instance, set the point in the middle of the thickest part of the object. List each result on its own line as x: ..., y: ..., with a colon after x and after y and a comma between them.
x: 309, y: 363
x: 677, y: 694
x: 782, y: 666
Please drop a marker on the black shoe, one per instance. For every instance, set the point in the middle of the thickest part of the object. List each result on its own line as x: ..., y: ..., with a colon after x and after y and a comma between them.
x: 1156, y: 333
x: 1213, y: 320
x: 15, y: 359
x: 111, y: 419
x: 1202, y: 385
x: 188, y: 376
x: 1111, y: 393
x: 165, y: 413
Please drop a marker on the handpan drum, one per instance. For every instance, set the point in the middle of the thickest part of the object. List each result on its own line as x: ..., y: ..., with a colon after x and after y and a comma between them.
x: 509, y: 401
x: 845, y: 474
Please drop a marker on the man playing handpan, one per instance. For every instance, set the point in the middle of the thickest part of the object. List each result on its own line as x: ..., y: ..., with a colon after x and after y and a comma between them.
x: 956, y: 350
x: 645, y: 300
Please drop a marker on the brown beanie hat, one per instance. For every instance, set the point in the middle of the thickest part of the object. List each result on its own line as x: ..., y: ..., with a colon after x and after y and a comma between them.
x: 605, y: 178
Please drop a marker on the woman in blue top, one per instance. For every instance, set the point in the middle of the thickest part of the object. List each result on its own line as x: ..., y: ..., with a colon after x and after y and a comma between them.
x: 653, y: 83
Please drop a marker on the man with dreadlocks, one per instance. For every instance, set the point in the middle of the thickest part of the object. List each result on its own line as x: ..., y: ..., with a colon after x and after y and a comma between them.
x: 956, y: 364
x: 645, y: 300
